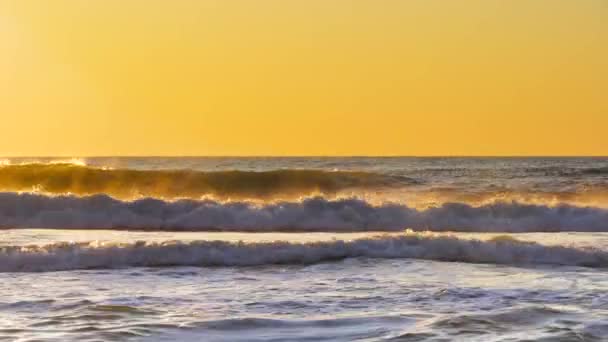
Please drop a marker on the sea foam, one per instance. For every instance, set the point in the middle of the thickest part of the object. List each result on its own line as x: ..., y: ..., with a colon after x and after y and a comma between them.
x: 71, y: 256
x: 25, y: 210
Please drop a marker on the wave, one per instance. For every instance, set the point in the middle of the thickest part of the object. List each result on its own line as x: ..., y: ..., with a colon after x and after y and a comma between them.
x: 94, y: 255
x: 596, y: 171
x: 80, y: 179
x: 591, y: 195
x: 518, y: 170
x: 569, y: 171
x: 24, y: 210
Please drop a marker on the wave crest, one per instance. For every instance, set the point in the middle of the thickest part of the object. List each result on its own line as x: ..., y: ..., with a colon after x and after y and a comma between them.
x: 74, y: 178
x: 70, y: 256
x: 311, y: 214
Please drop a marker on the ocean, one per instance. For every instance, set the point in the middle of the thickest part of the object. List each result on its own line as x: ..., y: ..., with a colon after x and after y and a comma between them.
x: 304, y: 249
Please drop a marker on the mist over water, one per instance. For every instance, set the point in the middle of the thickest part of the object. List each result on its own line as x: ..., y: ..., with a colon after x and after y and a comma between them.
x: 64, y: 178
x: 262, y: 249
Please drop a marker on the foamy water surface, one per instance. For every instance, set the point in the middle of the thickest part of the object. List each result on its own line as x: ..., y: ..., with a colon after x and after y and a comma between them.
x: 521, y: 294
x: 304, y: 249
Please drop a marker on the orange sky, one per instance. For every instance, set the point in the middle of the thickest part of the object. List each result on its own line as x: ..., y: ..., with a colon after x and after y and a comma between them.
x: 304, y: 77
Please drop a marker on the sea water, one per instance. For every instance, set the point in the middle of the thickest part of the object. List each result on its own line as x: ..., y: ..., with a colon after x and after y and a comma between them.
x: 304, y: 249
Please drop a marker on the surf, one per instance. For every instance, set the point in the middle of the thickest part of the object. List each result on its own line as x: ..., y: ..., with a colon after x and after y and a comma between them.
x: 446, y: 248
x: 81, y: 179
x: 314, y: 214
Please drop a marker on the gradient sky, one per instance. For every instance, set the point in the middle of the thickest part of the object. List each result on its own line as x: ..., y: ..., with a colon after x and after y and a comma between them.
x: 304, y: 77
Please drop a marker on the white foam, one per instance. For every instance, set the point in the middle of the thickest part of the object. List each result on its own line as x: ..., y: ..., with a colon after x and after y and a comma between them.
x: 71, y: 256
x: 24, y: 210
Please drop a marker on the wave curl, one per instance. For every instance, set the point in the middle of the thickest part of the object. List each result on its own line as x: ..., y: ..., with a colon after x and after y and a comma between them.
x: 79, y: 179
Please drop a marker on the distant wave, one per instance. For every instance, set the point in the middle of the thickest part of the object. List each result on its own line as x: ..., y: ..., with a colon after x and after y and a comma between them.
x: 75, y: 178
x: 588, y: 195
x: 313, y: 214
x: 568, y: 171
x: 71, y: 256
x: 520, y: 171
x: 596, y: 171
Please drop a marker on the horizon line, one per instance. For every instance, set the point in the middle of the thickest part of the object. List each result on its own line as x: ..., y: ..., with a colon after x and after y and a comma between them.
x: 305, y: 156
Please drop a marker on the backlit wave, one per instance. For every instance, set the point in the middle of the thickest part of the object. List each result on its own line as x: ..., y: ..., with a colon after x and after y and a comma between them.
x: 74, y: 178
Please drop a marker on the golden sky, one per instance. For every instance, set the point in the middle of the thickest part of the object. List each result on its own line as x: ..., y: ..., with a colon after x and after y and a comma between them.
x: 304, y: 77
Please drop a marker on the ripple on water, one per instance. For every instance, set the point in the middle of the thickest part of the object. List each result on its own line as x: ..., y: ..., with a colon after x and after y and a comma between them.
x: 264, y: 329
x: 124, y: 309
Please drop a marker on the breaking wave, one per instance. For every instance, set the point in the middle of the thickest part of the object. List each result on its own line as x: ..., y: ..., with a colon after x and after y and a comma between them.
x: 25, y: 210
x: 71, y: 256
x: 80, y: 179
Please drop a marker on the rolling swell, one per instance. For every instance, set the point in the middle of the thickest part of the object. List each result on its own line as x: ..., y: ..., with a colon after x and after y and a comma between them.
x: 71, y: 256
x: 596, y: 171
x: 63, y: 178
x: 24, y: 210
